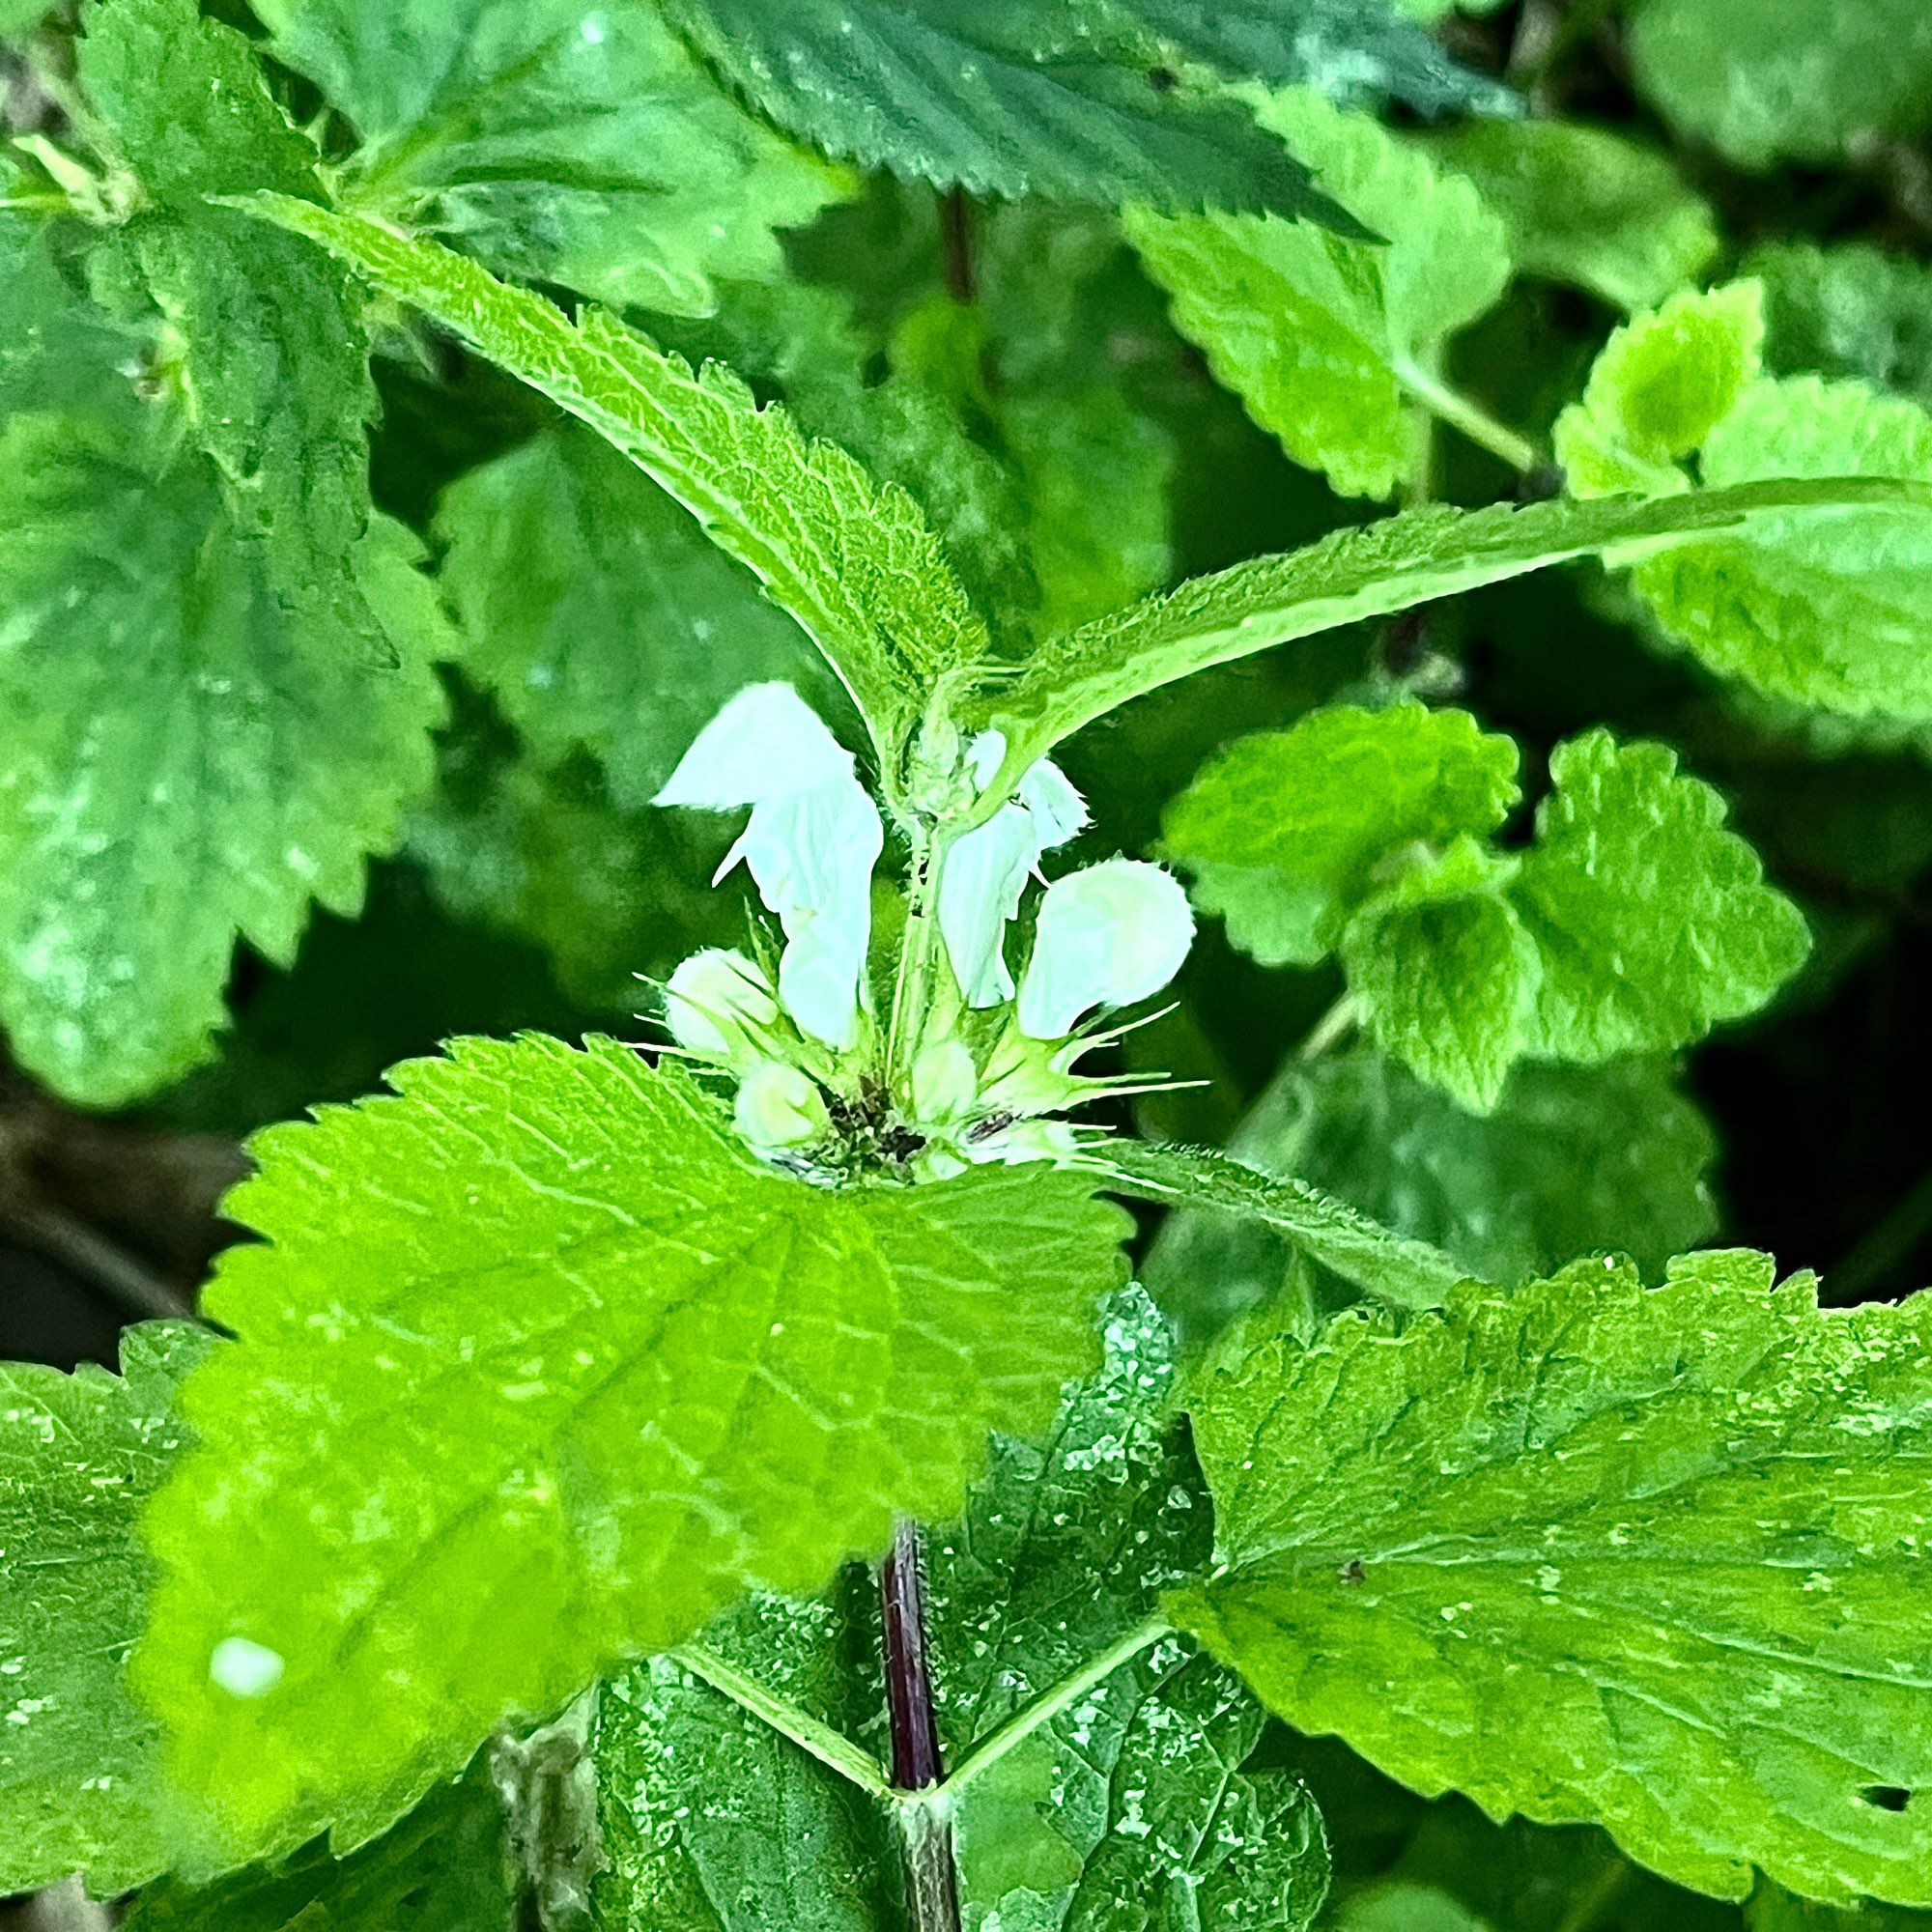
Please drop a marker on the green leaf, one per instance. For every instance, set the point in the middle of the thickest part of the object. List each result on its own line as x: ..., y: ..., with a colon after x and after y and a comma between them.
x: 184, y: 758
x: 273, y: 356
x: 1802, y: 80
x: 590, y: 150
x: 1586, y: 206
x: 538, y: 1345
x: 1445, y: 973
x: 1327, y: 340
x: 600, y: 616
x: 61, y: 350
x: 1409, y: 1273
x: 80, y: 1454
x: 1663, y: 383
x: 1001, y: 100
x: 1399, y: 1905
x: 1772, y: 1910
x: 445, y: 1868
x: 1653, y: 922
x: 853, y: 562
x: 1593, y: 1552
x: 1285, y: 833
x: 1847, y: 310
x: 1373, y: 571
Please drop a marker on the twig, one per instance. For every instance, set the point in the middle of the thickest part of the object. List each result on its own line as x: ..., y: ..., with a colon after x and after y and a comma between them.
x: 103, y: 1265
x: 932, y: 1883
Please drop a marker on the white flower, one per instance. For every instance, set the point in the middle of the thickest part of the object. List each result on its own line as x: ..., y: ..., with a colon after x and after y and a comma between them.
x: 780, y: 1107
x: 986, y: 873
x: 813, y: 839
x: 719, y: 1005
x: 1107, y: 936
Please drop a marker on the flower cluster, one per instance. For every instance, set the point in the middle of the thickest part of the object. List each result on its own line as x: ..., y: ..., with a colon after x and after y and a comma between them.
x: 989, y: 1062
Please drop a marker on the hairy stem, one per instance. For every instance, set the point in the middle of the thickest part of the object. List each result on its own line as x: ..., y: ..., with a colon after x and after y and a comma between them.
x: 933, y: 1885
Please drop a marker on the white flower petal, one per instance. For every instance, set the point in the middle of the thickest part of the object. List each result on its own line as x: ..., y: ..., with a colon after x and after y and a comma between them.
x: 767, y: 741
x: 1107, y: 936
x: 778, y: 1106
x: 984, y: 874
x: 716, y: 1005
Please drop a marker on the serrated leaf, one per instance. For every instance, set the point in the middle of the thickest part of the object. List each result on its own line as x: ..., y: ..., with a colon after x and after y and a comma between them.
x: 1283, y: 832
x: 599, y: 616
x: 1570, y: 1161
x: 1653, y: 922
x: 538, y: 1338
x: 586, y: 149
x: 854, y: 563
x: 1850, y: 309
x: 80, y: 1454
x: 1764, y: 80
x: 1409, y: 1273
x: 445, y: 1868
x: 1587, y: 207
x: 61, y: 350
x: 272, y: 357
x: 1077, y: 103
x: 1326, y: 340
x: 1380, y: 568
x: 1647, y: 1558
x: 184, y: 758
x: 1445, y: 973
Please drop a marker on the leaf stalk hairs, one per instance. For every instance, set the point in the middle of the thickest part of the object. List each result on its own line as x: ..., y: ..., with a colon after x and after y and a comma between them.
x: 972, y: 1065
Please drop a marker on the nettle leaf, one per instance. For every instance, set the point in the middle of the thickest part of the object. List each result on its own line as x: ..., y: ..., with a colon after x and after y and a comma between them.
x: 274, y: 358
x: 1445, y: 973
x: 1284, y: 833
x: 1079, y: 103
x: 538, y: 1346
x: 853, y: 562
x: 1329, y: 341
x: 80, y: 1454
x: 1847, y: 310
x: 587, y: 149
x: 1833, y: 613
x: 1586, y: 206
x: 183, y: 756
x: 1653, y: 922
x: 1368, y: 572
x: 1648, y: 1558
x: 1804, y: 80
x: 445, y: 1868
x: 600, y: 616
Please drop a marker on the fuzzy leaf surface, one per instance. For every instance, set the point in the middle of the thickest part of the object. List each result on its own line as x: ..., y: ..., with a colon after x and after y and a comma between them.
x: 1321, y: 336
x: 1652, y: 1559
x: 538, y: 1367
x: 590, y: 150
x: 79, y: 1764
x: 853, y: 562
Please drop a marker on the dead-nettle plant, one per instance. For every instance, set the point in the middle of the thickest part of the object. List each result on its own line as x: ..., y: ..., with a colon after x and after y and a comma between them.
x: 581, y: 1500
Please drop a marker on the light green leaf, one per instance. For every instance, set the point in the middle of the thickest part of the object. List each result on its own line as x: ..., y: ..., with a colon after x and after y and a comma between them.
x: 1409, y: 1273
x: 1285, y: 833
x: 1000, y: 100
x: 1399, y: 1905
x: 1802, y: 80
x: 539, y: 1348
x: 1653, y: 922
x: 80, y: 1454
x: 184, y: 758
x: 1663, y: 383
x: 1444, y: 974
x: 853, y: 562
x: 587, y: 149
x: 1327, y: 340
x: 1847, y: 310
x: 445, y: 1868
x: 1586, y: 206
x: 1648, y: 1558
x: 1374, y: 571
x: 599, y: 616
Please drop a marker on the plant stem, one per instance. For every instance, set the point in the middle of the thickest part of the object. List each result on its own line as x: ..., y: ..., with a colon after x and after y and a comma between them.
x: 1475, y: 422
x: 932, y: 1884
x: 829, y: 1747
x: 912, y: 987
x: 955, y: 237
x: 1333, y: 1026
x: 1061, y: 1696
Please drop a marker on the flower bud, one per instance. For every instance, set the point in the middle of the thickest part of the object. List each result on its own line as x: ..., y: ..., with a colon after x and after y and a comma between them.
x: 780, y: 1107
x: 719, y: 1005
